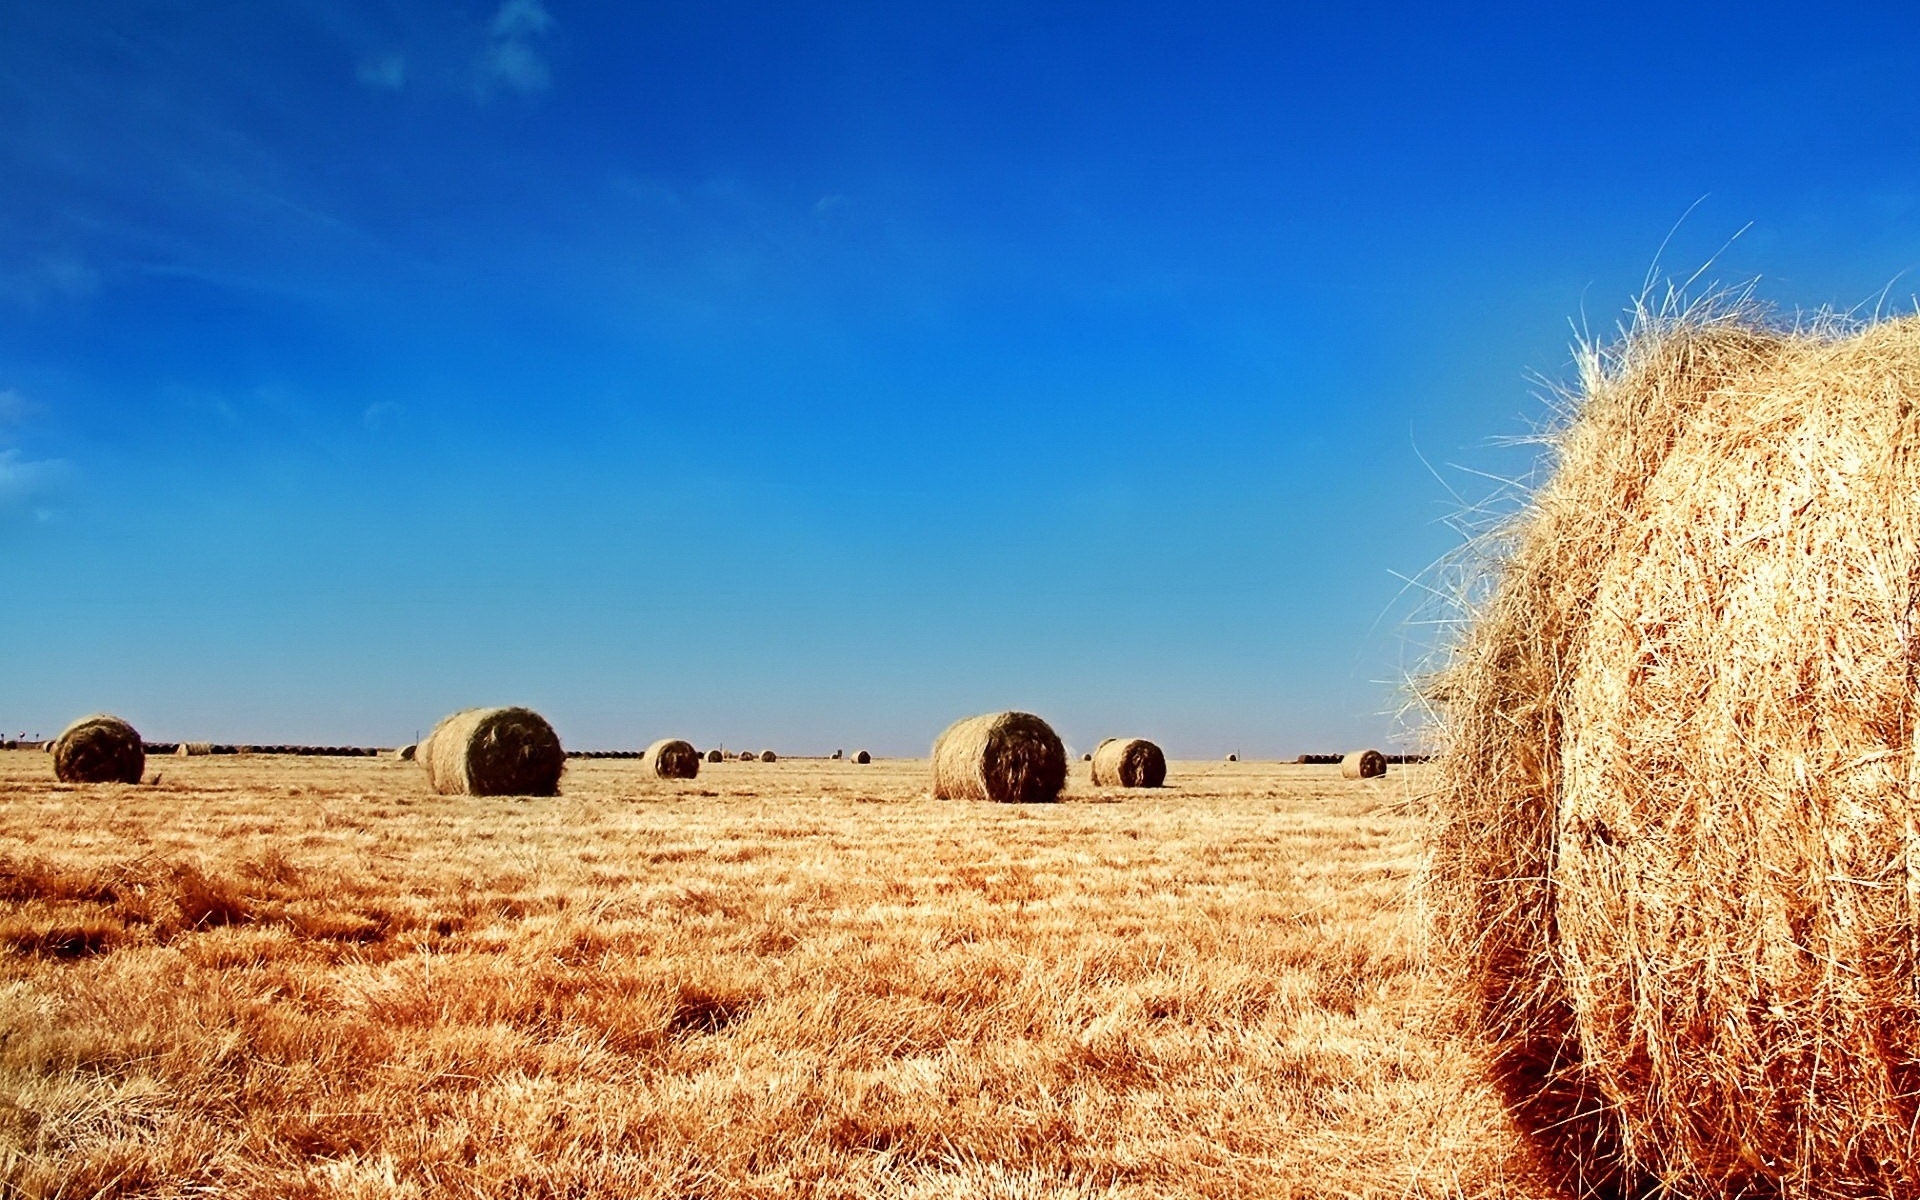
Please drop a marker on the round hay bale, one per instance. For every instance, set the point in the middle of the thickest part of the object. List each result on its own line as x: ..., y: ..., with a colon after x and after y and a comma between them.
x: 748, y: 756
x: 1087, y: 758
x: 406, y: 753
x: 1129, y: 762
x: 1363, y: 764
x: 768, y: 756
x: 714, y: 756
x: 493, y: 752
x: 1676, y: 864
x: 838, y: 755
x: 862, y: 757
x: 99, y: 749
x: 1233, y: 758
x: 1006, y: 756
x: 671, y: 758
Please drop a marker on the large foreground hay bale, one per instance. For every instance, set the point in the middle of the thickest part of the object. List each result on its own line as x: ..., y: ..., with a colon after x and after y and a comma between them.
x: 1129, y: 762
x: 671, y: 758
x: 1005, y: 756
x: 1363, y: 764
x: 1678, y: 859
x: 99, y: 749
x: 493, y: 752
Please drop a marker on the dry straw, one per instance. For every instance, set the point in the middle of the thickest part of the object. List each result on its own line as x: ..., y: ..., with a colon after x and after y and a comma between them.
x: 1129, y: 762
x: 671, y: 758
x: 493, y: 752
x: 1677, y: 858
x: 99, y: 749
x: 1363, y: 764
x: 1005, y: 756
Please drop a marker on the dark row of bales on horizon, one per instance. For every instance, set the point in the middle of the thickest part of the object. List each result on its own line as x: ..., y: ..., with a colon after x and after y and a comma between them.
x: 1012, y: 757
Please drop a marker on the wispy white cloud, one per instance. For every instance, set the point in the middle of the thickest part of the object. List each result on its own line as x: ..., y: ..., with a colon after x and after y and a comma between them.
x: 521, y: 18
x: 26, y: 484
x: 49, y: 277
x: 384, y: 72
x: 513, y: 58
x: 519, y: 66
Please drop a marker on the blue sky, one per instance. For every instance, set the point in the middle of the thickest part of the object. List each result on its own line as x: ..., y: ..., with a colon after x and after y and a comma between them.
x: 808, y: 377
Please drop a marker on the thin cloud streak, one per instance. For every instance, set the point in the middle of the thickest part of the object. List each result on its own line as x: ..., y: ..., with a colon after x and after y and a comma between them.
x: 384, y: 73
x: 513, y: 60
x: 24, y: 482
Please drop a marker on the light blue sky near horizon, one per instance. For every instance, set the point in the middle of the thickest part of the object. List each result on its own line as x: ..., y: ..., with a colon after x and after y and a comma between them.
x: 810, y: 377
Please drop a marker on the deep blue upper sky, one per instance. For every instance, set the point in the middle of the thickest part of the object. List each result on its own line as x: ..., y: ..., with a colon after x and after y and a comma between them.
x: 808, y: 377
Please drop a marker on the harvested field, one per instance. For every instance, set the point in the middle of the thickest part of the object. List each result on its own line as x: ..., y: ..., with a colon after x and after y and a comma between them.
x: 313, y: 977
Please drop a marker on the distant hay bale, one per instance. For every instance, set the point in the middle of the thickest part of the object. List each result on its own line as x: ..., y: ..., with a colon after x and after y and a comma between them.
x: 1233, y: 758
x: 1129, y: 762
x: 1012, y: 757
x: 862, y: 757
x: 671, y: 758
x: 714, y: 756
x: 1675, y: 867
x: 748, y: 756
x: 768, y: 756
x: 194, y: 749
x: 838, y: 755
x: 1363, y: 764
x: 1086, y: 758
x: 99, y: 749
x: 493, y: 752
x: 406, y: 753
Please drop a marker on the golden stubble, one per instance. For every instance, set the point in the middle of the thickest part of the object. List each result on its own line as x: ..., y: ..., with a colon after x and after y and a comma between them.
x: 311, y: 977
